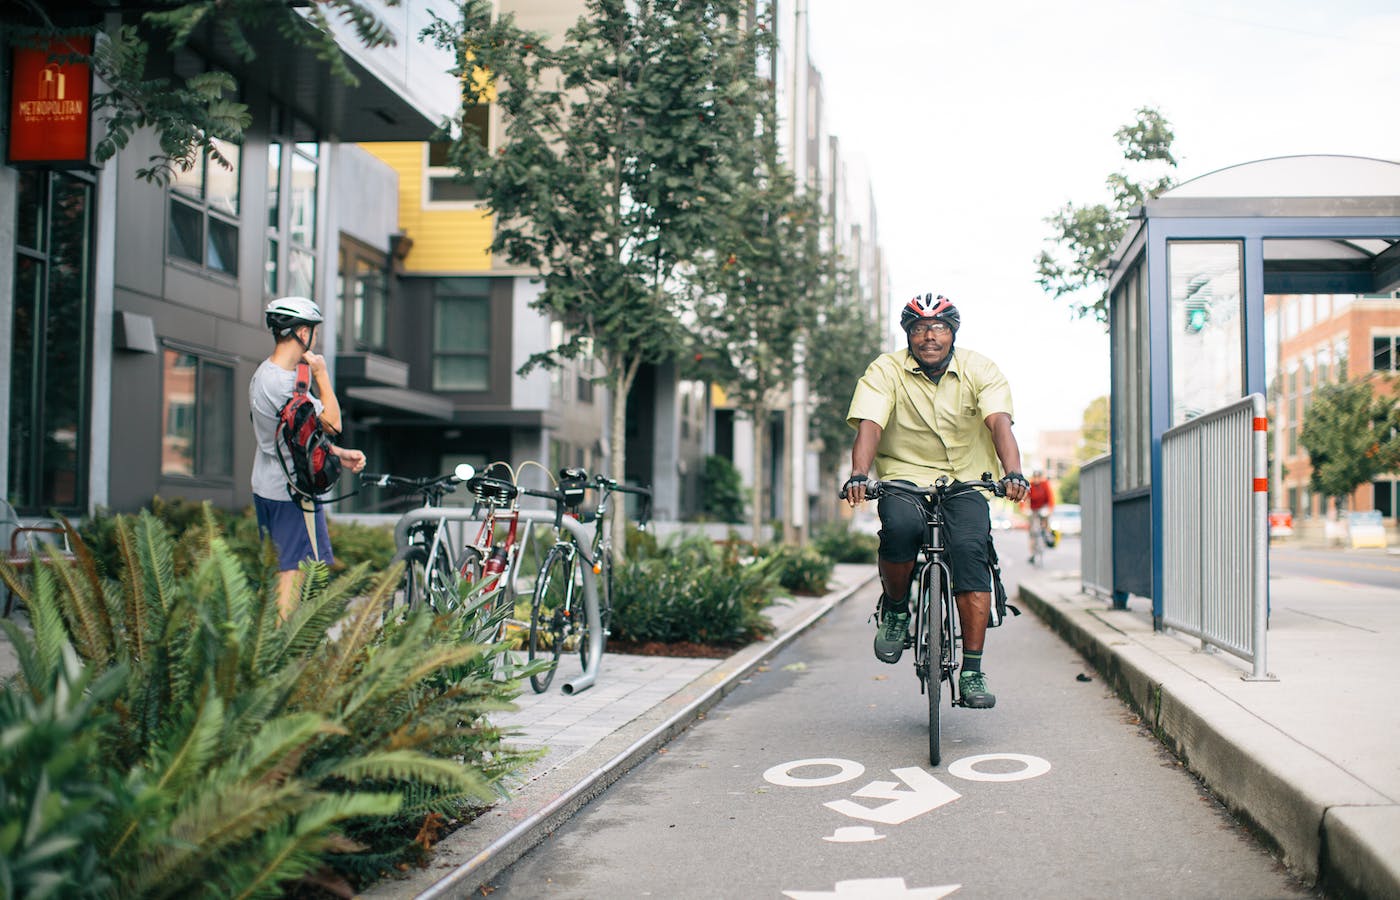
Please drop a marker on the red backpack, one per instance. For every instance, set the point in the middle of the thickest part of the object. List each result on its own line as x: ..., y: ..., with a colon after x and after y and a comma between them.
x: 310, y: 466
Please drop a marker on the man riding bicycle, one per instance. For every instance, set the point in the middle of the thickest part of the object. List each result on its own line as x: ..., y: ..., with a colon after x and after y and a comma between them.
x: 921, y: 413
x: 1042, y: 502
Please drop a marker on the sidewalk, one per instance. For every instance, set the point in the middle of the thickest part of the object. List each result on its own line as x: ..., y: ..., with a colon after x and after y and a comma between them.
x: 1311, y: 760
x: 593, y: 738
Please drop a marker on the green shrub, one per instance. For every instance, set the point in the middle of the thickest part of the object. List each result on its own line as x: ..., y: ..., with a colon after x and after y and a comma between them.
x: 840, y: 544
x: 801, y: 570
x: 352, y: 542
x: 242, y: 753
x: 692, y: 591
x: 723, y: 490
x: 53, y: 799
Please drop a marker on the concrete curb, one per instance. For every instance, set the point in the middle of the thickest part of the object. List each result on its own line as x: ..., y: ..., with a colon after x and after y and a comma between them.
x: 1327, y: 826
x: 544, y: 804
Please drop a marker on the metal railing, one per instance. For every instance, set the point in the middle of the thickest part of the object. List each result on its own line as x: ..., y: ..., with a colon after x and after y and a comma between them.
x: 1096, y: 511
x: 448, y: 514
x: 1215, y: 539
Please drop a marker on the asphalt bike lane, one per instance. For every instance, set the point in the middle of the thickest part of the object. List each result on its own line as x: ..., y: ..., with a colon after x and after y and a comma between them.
x: 812, y: 781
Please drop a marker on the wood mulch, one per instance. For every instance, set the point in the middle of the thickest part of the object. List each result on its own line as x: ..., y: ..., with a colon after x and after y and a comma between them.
x: 680, y: 648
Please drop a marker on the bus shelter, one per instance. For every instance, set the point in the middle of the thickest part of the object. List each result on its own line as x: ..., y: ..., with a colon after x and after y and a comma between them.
x: 1187, y: 313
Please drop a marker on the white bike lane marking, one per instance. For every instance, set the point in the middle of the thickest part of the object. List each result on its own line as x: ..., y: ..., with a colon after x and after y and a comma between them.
x: 924, y: 794
x: 875, y: 889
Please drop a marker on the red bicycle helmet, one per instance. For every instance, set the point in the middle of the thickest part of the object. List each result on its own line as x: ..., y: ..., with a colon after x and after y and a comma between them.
x: 930, y: 307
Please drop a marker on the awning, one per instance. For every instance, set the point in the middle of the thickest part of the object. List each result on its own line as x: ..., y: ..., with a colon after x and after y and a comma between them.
x: 404, y: 400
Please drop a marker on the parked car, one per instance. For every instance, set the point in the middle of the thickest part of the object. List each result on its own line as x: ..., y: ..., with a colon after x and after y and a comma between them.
x: 1280, y: 523
x: 1001, y: 520
x: 1065, y: 519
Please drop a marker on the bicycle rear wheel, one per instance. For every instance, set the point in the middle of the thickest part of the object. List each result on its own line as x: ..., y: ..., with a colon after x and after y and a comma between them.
x: 549, y: 608
x: 933, y: 636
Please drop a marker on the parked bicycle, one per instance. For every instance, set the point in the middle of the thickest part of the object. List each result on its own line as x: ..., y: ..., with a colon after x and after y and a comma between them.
x: 937, y: 633
x: 557, y: 616
x: 430, y: 559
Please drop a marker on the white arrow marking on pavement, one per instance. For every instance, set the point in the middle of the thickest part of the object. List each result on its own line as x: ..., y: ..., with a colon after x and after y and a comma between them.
x: 854, y: 834
x: 1034, y: 767
x: 875, y: 889
x: 780, y: 776
x: 926, y: 793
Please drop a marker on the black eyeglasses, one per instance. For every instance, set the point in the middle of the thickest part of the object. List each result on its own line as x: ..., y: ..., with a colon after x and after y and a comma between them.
x: 919, y: 329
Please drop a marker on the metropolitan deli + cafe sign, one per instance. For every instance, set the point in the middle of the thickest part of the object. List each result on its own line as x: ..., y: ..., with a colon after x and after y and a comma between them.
x: 51, y: 103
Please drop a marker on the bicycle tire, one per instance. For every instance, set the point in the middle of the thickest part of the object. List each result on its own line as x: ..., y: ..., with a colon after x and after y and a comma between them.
x: 414, y: 586
x: 548, y: 607
x: 934, y: 636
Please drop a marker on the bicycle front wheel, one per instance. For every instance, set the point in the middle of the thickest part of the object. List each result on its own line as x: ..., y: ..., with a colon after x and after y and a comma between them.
x: 549, y: 608
x: 933, y: 651
x: 415, y: 577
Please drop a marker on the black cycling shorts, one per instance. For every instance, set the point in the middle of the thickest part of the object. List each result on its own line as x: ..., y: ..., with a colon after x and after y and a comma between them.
x: 967, y: 535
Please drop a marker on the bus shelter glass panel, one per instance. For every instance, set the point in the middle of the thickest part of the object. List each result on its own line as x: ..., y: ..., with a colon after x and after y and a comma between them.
x: 1131, y: 420
x: 1207, y: 326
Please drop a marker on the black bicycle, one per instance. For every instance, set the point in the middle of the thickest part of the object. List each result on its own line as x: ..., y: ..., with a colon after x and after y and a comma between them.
x: 556, y: 609
x: 429, y: 558
x: 937, y: 634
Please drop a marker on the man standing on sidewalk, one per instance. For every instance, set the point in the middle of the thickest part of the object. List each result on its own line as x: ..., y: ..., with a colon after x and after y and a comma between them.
x: 293, y: 321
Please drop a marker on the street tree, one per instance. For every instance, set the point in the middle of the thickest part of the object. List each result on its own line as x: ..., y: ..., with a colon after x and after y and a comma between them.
x: 1094, y: 434
x: 135, y: 88
x: 1352, y: 436
x: 844, y: 339
x: 1084, y: 237
x: 620, y: 150
x: 759, y: 295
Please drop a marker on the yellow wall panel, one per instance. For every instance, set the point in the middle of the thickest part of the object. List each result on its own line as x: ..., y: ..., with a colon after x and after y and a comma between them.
x: 444, y: 240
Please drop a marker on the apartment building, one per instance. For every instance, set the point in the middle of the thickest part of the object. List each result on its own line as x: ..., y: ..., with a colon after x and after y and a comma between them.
x: 132, y: 315
x: 1321, y: 339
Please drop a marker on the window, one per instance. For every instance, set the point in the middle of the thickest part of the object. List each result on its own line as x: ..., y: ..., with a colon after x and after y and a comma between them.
x: 1339, y: 358
x: 444, y: 184
x: 363, y: 297
x: 51, y: 337
x: 293, y: 181
x: 1385, y: 353
x: 1205, y: 280
x: 196, y: 416
x: 1387, y: 498
x: 462, y: 334
x: 203, y: 226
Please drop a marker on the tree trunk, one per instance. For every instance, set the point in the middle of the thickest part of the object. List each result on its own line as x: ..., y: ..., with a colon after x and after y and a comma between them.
x: 617, y: 437
x: 760, y: 433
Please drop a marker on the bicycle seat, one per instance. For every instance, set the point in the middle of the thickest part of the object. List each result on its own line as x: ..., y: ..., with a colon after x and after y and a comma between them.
x: 492, y: 490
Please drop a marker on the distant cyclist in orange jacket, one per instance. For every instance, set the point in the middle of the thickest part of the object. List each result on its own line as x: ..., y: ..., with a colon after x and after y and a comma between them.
x: 1042, y: 501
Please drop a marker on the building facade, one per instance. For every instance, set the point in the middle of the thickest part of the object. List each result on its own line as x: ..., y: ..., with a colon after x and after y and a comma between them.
x: 1324, y: 339
x: 132, y: 310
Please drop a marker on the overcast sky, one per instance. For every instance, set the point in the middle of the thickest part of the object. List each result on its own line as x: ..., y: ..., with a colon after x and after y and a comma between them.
x: 978, y: 120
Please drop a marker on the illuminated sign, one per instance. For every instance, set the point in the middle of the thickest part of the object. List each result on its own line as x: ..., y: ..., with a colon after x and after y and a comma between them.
x: 51, y: 103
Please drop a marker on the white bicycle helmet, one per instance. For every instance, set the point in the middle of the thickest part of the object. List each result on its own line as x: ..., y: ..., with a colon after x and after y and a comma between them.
x: 285, y: 314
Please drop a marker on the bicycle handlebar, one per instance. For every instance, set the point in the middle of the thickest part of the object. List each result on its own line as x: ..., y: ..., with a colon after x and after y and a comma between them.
x: 431, y: 483
x: 944, y: 487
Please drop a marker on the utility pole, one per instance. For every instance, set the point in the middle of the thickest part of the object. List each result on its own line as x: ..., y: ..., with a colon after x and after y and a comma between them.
x: 795, y: 521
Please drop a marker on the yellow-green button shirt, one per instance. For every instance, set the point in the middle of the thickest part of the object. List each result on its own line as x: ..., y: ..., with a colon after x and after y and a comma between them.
x: 932, y: 429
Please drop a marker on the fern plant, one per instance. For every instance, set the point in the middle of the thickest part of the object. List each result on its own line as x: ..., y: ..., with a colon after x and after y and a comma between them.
x: 248, y: 752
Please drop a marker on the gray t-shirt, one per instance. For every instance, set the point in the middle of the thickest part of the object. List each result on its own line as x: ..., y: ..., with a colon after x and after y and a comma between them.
x: 268, y: 391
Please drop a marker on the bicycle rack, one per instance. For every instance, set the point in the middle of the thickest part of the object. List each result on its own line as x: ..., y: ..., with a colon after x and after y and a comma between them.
x: 585, y: 543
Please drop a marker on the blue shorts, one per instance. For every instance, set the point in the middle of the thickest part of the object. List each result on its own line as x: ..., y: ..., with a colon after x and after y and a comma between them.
x: 285, y: 523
